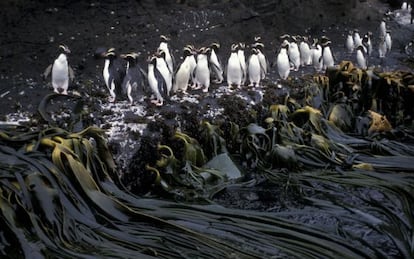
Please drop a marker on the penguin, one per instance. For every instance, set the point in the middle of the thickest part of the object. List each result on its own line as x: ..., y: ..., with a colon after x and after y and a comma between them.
x: 134, y: 78
x: 317, y: 56
x: 305, y: 52
x: 234, y: 68
x: 242, y: 60
x: 169, y: 58
x: 202, y: 70
x: 162, y: 67
x: 294, y: 54
x: 349, y: 44
x: 282, y: 61
x: 156, y: 81
x: 388, y: 40
x: 254, y: 68
x: 382, y: 29
x: 184, y: 71
x: 404, y: 6
x: 262, y: 58
x: 382, y: 48
x: 366, y: 42
x: 360, y: 57
x: 192, y: 62
x: 62, y: 73
x: 357, y: 38
x: 215, y: 64
x: 327, y: 57
x: 113, y: 73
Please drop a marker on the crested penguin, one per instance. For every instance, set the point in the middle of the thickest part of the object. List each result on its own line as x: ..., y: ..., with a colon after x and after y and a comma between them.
x: 134, y: 78
x: 305, y: 52
x: 382, y: 29
x: 349, y: 44
x: 162, y: 67
x: 282, y: 61
x: 366, y: 42
x: 234, y: 68
x: 262, y: 58
x: 184, y: 71
x: 361, y: 57
x: 242, y: 60
x: 357, y: 38
x: 327, y: 57
x: 62, y: 73
x: 294, y: 54
x: 113, y: 73
x: 202, y: 70
x: 169, y: 58
x: 317, y: 60
x: 192, y: 62
x: 388, y: 40
x: 382, y: 47
x: 254, y: 68
x: 156, y: 81
x: 215, y: 64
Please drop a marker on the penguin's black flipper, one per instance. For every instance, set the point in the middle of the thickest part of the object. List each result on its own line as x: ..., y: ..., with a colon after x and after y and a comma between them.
x: 71, y: 74
x: 47, y: 72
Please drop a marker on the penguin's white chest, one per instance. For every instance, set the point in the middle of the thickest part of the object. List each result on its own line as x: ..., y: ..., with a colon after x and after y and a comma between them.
x: 294, y: 55
x: 283, y: 66
x: 263, y: 64
x: 254, y: 69
x: 317, y: 58
x: 105, y: 72
x: 214, y: 60
x: 234, y: 69
x: 152, y: 80
x: 202, y: 72
x: 305, y: 54
x: 165, y: 72
x: 182, y: 76
x: 361, y: 59
x: 349, y: 44
x: 328, y: 60
x: 60, y: 73
x: 357, y: 40
x: 168, y: 58
x: 388, y: 41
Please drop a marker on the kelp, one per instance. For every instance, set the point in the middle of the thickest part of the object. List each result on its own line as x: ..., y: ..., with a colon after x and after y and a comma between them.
x: 57, y: 199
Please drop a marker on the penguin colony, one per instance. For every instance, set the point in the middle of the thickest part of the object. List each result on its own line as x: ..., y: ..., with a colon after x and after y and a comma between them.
x: 202, y: 66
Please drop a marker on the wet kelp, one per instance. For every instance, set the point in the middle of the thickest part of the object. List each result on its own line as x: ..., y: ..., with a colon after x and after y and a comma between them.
x: 61, y: 196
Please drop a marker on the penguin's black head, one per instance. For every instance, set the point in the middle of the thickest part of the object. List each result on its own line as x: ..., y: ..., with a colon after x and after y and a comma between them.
x: 285, y: 37
x: 160, y: 53
x: 257, y: 39
x: 110, y: 53
x: 215, y: 46
x: 258, y: 45
x: 64, y: 48
x: 242, y: 45
x: 152, y: 59
x: 164, y: 38
x: 234, y: 47
x: 132, y: 57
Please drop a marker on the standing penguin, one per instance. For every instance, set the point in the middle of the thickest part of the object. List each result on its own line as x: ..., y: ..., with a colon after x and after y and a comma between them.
x: 253, y: 68
x: 192, y: 62
x: 113, y: 73
x: 202, y: 70
x: 282, y: 61
x: 162, y: 67
x: 349, y: 44
x: 382, y: 48
x: 215, y: 64
x: 327, y: 57
x: 134, y: 78
x: 388, y: 40
x: 184, y: 71
x: 156, y: 81
x: 305, y: 52
x: 234, y: 69
x: 169, y: 58
x: 62, y: 73
x: 294, y: 54
x: 382, y: 29
x: 317, y: 60
x: 262, y: 58
x: 361, y: 57
x: 357, y: 38
x: 366, y: 41
x: 242, y: 60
